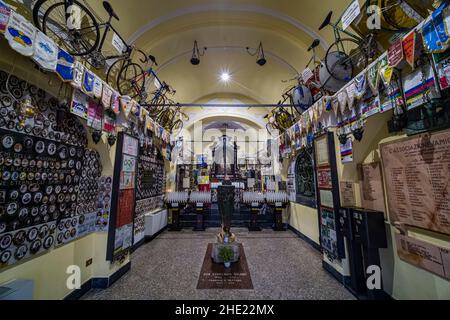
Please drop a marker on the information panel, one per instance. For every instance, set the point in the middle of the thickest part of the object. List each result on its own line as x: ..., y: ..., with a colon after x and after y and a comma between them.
x: 372, y: 190
x: 417, y: 173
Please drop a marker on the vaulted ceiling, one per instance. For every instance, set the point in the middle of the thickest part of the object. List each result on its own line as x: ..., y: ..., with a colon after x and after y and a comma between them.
x: 167, y: 29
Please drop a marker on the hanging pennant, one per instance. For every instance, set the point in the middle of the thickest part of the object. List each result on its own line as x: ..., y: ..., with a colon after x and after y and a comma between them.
x: 143, y: 113
x: 109, y: 122
x: 95, y: 115
x: 409, y: 48
x: 107, y: 96
x: 98, y: 88
x: 320, y: 107
x: 431, y: 39
x: 115, y: 102
x: 439, y: 20
x: 386, y: 74
x: 126, y: 103
x: 5, y: 12
x: 360, y: 86
x: 351, y: 94
x: 65, y: 66
x: 150, y: 124
x: 327, y: 102
x: 373, y: 77
x: 45, y: 52
x: 88, y: 83
x: 20, y: 34
x: 335, y: 104
x: 79, y: 105
x: 395, y: 53
x: 342, y: 98
x: 78, y: 73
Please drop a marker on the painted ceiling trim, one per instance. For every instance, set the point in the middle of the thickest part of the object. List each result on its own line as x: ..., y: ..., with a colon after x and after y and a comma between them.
x: 230, y: 8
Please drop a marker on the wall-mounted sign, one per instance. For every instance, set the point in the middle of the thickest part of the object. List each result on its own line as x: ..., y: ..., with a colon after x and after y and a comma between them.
x: 371, y: 184
x: 417, y: 174
x: 350, y: 14
x: 424, y: 255
x: 324, y: 178
x: 322, y: 151
x: 347, y: 194
x: 326, y: 198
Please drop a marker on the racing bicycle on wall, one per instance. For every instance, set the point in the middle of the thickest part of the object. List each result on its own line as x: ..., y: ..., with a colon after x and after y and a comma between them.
x: 352, y: 52
x: 73, y: 26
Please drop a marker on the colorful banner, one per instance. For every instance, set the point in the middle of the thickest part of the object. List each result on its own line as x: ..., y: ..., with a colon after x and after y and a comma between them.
x: 395, y: 53
x: 107, y: 96
x: 45, y: 52
x: 98, y: 88
x: 20, y: 34
x: 79, y: 104
x: 5, y: 12
x: 65, y: 66
x: 88, y: 83
x: 95, y: 115
x: 409, y: 48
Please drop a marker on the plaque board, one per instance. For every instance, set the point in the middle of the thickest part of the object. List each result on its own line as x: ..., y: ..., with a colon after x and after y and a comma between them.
x: 417, y: 173
x: 324, y: 178
x: 347, y: 194
x: 322, y: 151
x: 424, y: 255
x: 326, y: 198
x: 371, y: 185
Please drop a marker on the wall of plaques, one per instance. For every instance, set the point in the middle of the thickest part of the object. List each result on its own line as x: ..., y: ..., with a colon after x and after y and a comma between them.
x: 331, y: 239
x: 150, y: 187
x: 51, y: 182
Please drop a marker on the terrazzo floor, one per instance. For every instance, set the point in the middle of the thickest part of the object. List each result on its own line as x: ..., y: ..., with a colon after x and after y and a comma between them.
x: 282, y: 267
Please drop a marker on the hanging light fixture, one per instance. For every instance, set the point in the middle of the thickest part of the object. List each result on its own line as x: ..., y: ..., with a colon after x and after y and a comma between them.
x: 261, y: 59
x: 196, y: 54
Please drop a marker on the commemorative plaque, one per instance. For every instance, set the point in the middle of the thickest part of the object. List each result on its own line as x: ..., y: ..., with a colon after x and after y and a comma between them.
x: 417, y: 173
x: 372, y: 190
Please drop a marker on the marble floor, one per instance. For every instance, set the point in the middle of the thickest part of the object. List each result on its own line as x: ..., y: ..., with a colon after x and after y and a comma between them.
x: 282, y: 266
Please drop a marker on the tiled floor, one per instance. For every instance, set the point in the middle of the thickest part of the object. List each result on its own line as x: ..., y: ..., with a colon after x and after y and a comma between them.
x: 282, y: 266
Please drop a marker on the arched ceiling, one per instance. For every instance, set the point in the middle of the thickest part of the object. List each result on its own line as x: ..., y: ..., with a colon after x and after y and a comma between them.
x: 167, y: 29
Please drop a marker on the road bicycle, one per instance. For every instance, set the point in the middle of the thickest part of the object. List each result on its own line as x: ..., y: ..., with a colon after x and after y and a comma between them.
x: 279, y: 118
x: 73, y: 26
x: 137, y: 85
x: 346, y: 55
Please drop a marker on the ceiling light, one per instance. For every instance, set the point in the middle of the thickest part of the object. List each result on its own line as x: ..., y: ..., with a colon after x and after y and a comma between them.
x: 196, y: 54
x: 225, y: 77
x: 261, y: 59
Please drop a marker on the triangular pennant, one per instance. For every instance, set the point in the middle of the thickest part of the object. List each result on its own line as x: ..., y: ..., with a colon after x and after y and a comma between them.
x: 360, y: 85
x: 107, y: 96
x: 126, y: 103
x: 351, y: 94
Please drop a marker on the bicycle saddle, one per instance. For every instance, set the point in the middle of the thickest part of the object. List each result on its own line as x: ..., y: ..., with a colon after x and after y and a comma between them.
x: 315, y: 43
x: 326, y: 21
x: 110, y: 10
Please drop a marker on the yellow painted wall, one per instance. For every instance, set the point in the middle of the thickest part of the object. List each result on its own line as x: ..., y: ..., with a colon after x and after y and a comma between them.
x: 48, y: 271
x: 305, y: 220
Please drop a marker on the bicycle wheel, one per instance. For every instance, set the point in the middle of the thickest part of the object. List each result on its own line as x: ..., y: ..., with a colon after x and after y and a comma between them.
x: 131, y: 80
x: 399, y: 14
x: 39, y: 9
x: 343, y: 58
x: 77, y: 42
x: 176, y: 127
x: 113, y: 72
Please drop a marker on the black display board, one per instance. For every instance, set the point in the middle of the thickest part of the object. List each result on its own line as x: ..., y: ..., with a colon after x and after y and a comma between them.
x: 331, y: 239
x: 120, y: 236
